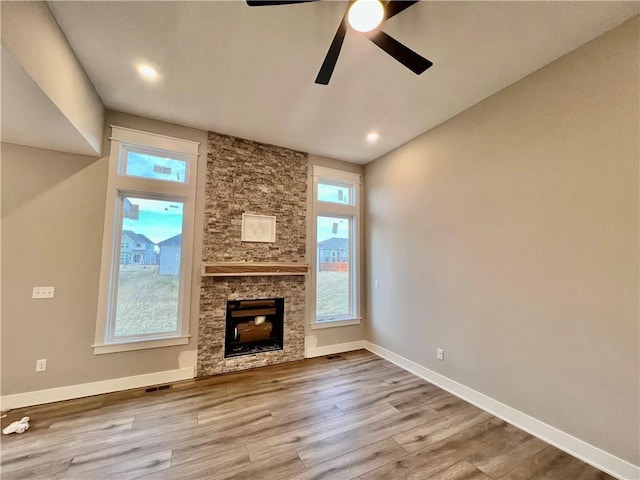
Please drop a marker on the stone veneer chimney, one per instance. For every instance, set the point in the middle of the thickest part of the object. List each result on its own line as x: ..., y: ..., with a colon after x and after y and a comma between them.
x: 250, y: 177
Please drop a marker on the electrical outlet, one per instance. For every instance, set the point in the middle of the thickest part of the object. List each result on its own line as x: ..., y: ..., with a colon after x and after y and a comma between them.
x: 377, y: 283
x: 41, y: 365
x: 440, y: 354
x: 43, y: 292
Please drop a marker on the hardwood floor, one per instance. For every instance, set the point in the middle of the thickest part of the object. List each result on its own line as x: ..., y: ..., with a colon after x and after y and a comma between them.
x: 355, y: 416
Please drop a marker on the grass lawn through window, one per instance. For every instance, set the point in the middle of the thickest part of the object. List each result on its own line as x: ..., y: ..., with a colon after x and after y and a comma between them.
x: 332, y: 294
x: 147, y: 302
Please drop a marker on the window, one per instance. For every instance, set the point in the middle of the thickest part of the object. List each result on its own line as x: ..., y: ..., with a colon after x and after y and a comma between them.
x: 145, y: 294
x: 336, y: 237
x: 141, y: 162
x: 334, y: 193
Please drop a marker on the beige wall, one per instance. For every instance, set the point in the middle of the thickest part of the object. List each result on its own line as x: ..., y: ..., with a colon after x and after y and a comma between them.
x: 508, y: 236
x: 335, y: 335
x: 52, y: 219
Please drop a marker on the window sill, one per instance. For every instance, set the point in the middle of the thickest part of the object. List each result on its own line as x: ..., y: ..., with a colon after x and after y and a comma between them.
x: 335, y: 323
x: 140, y: 344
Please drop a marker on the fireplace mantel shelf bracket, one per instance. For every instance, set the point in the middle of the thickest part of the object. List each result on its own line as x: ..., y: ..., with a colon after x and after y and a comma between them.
x: 245, y: 269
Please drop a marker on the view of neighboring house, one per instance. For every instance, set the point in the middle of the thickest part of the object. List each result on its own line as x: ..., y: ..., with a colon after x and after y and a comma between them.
x: 170, y: 255
x: 137, y: 249
x: 333, y: 251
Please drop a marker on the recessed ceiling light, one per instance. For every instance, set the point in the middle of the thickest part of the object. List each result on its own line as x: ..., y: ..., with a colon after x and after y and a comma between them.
x: 372, y: 137
x: 365, y: 15
x: 147, y: 71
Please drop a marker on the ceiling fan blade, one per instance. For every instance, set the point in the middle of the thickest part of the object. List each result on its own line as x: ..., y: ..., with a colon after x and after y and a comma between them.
x: 410, y: 59
x: 326, y: 70
x: 394, y: 7
x: 266, y: 3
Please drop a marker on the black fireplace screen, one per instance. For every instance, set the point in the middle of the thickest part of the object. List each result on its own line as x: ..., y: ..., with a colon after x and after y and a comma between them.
x: 254, y: 326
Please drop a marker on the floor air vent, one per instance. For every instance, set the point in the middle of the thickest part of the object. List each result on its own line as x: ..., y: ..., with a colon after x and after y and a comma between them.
x: 157, y: 388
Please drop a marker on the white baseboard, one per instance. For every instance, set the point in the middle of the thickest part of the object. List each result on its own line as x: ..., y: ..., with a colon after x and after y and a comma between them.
x: 38, y: 397
x: 333, y: 349
x: 586, y: 452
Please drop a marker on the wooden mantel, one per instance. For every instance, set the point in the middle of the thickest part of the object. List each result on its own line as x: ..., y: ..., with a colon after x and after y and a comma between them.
x: 245, y: 269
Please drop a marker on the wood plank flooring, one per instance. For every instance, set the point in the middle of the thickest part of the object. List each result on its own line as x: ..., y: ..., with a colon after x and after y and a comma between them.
x: 355, y: 416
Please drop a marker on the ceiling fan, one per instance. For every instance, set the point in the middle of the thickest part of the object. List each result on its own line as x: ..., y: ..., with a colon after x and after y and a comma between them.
x: 410, y: 59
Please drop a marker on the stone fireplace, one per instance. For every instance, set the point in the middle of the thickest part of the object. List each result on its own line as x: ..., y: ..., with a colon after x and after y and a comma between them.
x: 253, y: 178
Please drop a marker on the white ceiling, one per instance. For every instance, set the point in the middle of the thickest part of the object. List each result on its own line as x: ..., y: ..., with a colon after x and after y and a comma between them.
x: 250, y: 72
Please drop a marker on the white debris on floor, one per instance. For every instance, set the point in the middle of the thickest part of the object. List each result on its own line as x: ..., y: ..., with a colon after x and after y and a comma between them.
x: 17, y: 427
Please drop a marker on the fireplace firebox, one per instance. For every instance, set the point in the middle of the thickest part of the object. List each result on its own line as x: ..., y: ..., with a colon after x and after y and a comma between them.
x: 254, y: 326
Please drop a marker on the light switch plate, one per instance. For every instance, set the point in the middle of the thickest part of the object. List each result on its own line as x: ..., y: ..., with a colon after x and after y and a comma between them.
x: 43, y: 292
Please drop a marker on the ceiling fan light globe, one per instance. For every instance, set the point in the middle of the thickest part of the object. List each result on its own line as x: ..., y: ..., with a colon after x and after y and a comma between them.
x: 365, y: 15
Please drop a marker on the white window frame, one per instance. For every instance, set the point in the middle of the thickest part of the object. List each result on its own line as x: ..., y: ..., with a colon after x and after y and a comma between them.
x: 118, y: 185
x: 351, y: 211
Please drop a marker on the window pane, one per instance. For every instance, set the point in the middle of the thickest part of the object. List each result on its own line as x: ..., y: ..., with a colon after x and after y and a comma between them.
x: 333, y: 193
x: 158, y: 168
x: 333, y: 290
x: 149, y: 274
